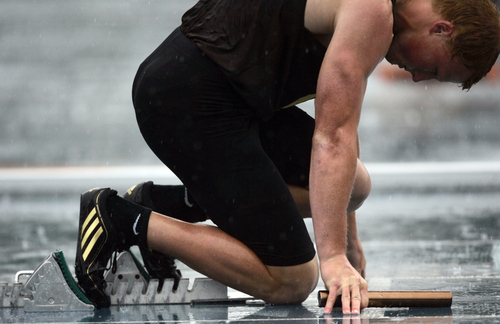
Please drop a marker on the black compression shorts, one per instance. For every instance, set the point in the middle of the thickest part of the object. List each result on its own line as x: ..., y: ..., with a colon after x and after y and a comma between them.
x: 198, y: 126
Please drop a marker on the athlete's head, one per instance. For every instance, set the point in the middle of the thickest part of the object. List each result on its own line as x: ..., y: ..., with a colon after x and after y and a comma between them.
x: 448, y: 40
x: 476, y: 35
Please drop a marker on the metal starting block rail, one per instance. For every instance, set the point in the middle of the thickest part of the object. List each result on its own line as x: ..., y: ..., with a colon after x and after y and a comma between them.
x: 51, y: 287
x: 128, y: 286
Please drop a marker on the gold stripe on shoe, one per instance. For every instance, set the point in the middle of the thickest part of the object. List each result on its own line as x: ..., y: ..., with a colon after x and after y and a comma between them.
x: 87, y: 221
x: 92, y: 243
x: 87, y: 231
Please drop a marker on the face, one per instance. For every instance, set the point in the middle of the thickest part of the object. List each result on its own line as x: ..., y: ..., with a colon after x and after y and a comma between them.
x: 427, y: 56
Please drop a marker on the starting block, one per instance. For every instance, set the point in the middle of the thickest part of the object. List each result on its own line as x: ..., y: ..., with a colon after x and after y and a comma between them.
x: 130, y: 285
x: 51, y: 287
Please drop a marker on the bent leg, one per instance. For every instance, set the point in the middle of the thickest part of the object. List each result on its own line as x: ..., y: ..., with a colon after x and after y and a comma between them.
x: 360, y: 191
x: 287, y: 140
x: 194, y: 121
x: 261, y: 246
x: 218, y: 255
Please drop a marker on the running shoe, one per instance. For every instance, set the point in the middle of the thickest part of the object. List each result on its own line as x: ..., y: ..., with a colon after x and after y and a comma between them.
x: 159, y: 266
x: 97, y: 241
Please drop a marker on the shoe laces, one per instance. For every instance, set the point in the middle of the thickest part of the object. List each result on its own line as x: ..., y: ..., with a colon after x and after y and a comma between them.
x: 113, y: 264
x: 120, y: 245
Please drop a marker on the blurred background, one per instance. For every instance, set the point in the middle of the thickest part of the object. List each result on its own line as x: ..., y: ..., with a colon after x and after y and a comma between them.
x: 66, y: 72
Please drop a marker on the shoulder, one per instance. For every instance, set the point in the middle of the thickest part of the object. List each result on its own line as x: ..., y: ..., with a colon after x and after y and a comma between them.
x: 322, y: 16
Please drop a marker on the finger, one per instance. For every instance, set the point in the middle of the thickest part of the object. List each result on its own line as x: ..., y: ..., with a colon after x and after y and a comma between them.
x: 355, y: 300
x: 330, y: 301
x: 346, y: 300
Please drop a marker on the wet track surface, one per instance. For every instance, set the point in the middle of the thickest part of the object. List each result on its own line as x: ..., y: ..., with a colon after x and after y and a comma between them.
x: 425, y: 238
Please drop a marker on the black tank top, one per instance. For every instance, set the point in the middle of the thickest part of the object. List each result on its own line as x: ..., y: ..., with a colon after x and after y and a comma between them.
x: 262, y: 46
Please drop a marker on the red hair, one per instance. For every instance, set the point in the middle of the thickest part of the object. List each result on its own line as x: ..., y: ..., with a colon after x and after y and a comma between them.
x: 476, y: 38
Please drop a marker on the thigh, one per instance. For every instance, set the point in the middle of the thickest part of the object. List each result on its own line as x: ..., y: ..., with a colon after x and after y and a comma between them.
x: 242, y: 192
x: 287, y: 139
x: 209, y: 138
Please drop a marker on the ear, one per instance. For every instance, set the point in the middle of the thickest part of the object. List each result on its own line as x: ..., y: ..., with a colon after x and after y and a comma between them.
x: 442, y: 28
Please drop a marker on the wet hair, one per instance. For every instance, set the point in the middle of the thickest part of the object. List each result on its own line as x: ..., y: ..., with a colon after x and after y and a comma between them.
x: 476, y: 38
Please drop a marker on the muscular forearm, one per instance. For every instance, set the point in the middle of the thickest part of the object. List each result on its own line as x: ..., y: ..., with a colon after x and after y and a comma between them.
x: 332, y: 177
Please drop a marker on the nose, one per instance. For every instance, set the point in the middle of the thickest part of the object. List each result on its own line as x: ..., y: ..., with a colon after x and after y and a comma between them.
x: 422, y: 76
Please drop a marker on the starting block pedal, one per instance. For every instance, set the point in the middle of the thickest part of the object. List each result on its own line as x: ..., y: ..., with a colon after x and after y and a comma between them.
x: 131, y: 285
x: 51, y: 287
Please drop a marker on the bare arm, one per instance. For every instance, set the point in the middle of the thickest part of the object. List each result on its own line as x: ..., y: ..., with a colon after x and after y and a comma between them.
x: 355, y: 253
x: 362, y: 35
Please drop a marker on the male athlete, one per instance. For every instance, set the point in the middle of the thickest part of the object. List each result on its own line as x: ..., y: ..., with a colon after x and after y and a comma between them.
x: 216, y: 103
